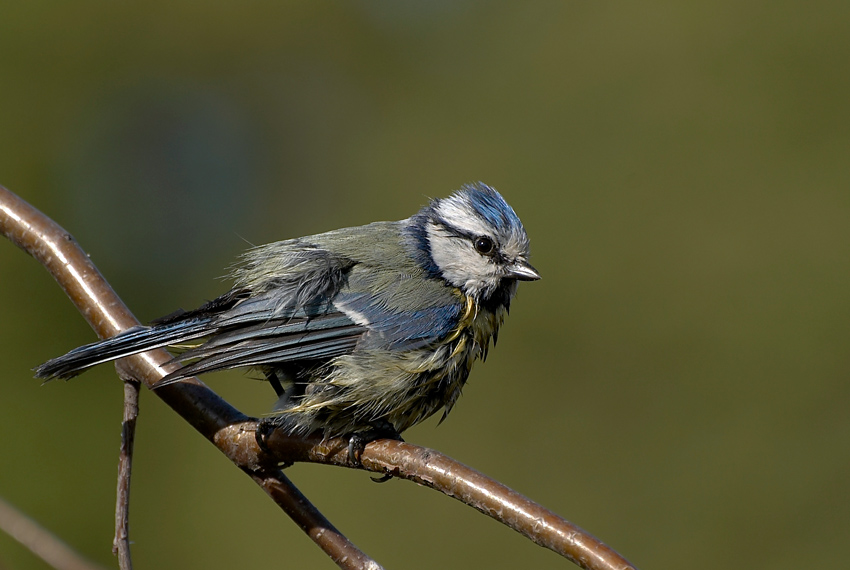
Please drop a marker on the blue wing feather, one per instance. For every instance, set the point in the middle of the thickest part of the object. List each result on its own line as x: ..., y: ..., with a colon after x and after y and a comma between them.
x: 400, y: 329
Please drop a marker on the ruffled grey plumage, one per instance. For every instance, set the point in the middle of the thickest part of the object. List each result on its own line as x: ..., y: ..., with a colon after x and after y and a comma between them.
x: 358, y: 327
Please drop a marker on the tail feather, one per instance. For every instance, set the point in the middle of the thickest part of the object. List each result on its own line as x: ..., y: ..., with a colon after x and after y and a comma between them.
x: 131, y: 341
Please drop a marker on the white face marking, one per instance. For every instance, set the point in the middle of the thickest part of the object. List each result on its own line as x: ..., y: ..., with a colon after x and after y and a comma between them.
x: 451, y: 229
x: 459, y: 263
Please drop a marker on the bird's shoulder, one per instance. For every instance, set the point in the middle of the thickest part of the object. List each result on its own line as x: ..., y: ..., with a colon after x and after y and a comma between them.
x: 401, y: 304
x: 367, y: 273
x: 375, y: 244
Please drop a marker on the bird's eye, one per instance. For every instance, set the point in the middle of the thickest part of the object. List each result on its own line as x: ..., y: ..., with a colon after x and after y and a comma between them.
x: 484, y: 245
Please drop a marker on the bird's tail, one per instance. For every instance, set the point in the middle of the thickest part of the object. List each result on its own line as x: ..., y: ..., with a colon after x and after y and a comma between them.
x: 131, y: 341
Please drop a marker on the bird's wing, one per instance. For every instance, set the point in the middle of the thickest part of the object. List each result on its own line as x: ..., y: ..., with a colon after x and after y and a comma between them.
x: 288, y: 317
x: 400, y: 311
x: 375, y: 308
x: 263, y: 341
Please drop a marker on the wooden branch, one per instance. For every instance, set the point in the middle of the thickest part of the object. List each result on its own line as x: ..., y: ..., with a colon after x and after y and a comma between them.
x: 121, y: 542
x: 437, y: 471
x: 233, y: 433
x: 40, y: 541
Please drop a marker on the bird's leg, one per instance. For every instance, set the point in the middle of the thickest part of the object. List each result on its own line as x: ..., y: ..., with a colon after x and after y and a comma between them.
x: 357, y: 443
x: 271, y: 376
x: 265, y: 427
x: 264, y: 430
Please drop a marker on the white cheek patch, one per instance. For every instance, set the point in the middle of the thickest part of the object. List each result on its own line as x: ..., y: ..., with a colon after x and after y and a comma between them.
x: 459, y: 263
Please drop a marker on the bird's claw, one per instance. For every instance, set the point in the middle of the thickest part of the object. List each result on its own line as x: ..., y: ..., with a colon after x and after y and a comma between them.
x: 357, y: 442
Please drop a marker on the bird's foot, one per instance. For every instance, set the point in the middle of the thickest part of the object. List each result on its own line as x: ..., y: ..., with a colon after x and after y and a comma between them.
x: 264, y: 430
x: 357, y: 442
x: 265, y: 427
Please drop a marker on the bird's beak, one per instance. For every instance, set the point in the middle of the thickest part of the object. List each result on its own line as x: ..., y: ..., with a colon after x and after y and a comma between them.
x: 523, y: 271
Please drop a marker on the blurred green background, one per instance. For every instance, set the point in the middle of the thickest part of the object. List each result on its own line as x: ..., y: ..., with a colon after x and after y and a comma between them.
x: 677, y: 383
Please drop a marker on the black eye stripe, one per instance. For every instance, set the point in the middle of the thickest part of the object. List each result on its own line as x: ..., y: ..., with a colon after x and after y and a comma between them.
x: 453, y: 231
x: 469, y: 236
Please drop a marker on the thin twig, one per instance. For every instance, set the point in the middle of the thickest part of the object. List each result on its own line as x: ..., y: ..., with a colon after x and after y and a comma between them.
x: 121, y: 542
x: 233, y: 433
x: 40, y: 541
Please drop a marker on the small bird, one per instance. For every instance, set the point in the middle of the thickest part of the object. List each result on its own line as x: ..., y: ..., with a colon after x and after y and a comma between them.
x: 366, y: 330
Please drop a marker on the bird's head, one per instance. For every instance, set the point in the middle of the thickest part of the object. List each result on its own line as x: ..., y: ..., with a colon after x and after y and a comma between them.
x: 475, y: 241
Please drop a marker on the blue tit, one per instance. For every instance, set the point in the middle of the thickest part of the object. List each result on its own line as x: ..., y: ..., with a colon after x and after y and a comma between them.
x: 359, y: 329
